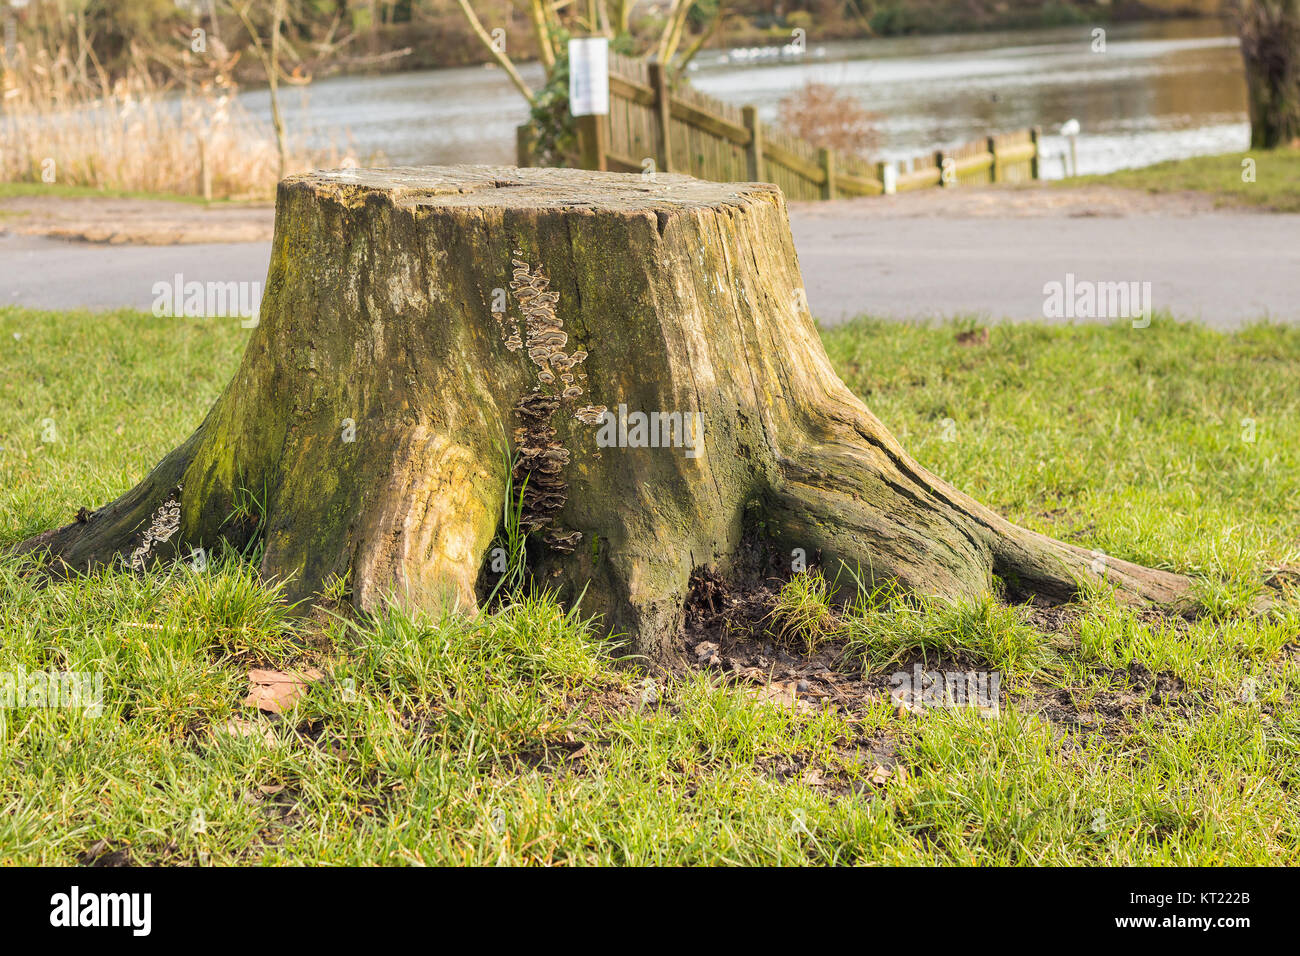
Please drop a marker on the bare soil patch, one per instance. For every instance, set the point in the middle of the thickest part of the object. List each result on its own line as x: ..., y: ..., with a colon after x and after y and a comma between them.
x: 144, y: 222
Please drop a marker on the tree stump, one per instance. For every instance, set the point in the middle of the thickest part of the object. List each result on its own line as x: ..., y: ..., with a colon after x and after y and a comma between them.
x: 1269, y: 33
x: 635, y: 355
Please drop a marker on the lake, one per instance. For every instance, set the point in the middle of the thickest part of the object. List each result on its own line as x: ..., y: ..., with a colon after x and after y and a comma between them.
x: 1158, y: 91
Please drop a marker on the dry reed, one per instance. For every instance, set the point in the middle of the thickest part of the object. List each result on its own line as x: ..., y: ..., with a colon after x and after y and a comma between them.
x: 135, y: 133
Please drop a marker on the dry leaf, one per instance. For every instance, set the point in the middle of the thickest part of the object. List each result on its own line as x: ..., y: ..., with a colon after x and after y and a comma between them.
x: 238, y: 727
x: 781, y: 693
x: 978, y: 336
x: 277, y: 691
x: 813, y: 777
x: 903, y: 708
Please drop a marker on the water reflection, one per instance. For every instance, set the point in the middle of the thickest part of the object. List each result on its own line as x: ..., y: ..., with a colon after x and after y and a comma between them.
x: 1159, y: 91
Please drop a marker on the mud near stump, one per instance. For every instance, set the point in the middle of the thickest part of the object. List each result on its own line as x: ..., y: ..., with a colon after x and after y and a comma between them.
x: 726, y: 632
x: 1112, y: 712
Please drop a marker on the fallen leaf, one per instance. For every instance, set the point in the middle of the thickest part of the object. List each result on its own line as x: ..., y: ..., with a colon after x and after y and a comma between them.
x: 705, y: 651
x: 978, y: 336
x: 781, y: 693
x: 277, y: 691
x: 813, y: 777
x: 238, y: 727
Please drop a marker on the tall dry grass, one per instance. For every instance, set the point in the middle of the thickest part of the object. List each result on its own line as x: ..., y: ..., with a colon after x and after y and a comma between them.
x: 190, y: 136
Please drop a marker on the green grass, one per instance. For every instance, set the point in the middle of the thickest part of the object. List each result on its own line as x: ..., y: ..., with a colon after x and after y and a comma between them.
x: 517, y: 738
x: 801, y: 615
x: 1276, y: 185
x: 12, y: 190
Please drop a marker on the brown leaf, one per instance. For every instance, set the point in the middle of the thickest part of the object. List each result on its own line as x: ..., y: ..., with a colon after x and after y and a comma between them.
x: 883, y: 775
x: 781, y: 693
x: 813, y: 777
x: 978, y: 336
x: 238, y: 727
x: 277, y: 691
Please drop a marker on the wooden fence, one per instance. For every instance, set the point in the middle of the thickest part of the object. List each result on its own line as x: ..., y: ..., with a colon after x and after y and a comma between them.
x: 686, y: 131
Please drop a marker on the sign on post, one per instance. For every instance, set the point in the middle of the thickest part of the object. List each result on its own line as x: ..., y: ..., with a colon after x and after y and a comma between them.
x: 889, y: 178
x: 589, y: 76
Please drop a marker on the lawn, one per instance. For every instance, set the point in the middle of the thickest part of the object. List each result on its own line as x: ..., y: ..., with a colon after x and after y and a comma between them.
x: 1122, y: 737
x: 1275, y: 186
x: 22, y: 190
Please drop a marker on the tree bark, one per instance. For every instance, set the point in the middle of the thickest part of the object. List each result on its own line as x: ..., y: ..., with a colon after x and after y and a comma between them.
x: 381, y: 398
x: 1270, y: 50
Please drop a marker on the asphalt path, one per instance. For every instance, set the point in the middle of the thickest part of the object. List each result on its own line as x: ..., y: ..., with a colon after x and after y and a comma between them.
x: 984, y: 254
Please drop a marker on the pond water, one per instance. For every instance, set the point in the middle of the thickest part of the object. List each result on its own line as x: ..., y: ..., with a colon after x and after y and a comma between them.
x: 1158, y: 91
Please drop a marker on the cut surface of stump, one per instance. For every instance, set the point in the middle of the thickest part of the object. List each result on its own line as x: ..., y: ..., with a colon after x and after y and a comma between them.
x: 634, y: 358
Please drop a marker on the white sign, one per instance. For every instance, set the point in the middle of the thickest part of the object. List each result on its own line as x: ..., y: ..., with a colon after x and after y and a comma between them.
x: 889, y: 173
x: 589, y: 76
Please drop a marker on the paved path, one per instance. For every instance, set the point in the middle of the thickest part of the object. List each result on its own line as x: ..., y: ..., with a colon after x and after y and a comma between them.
x: 1224, y: 269
x: 982, y: 252
x: 58, y: 274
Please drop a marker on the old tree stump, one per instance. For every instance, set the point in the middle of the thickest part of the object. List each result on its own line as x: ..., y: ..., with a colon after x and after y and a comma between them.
x: 422, y: 329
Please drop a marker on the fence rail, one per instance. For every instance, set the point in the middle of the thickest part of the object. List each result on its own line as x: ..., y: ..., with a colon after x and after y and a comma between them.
x: 686, y: 131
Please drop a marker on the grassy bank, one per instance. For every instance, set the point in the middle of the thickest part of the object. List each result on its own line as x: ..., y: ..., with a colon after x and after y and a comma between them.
x: 516, y: 738
x: 61, y: 191
x: 1276, y: 184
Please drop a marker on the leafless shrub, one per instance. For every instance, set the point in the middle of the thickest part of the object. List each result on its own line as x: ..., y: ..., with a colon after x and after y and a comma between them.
x: 825, y: 116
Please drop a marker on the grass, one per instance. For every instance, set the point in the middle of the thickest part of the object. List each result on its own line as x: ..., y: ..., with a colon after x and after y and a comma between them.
x: 802, y: 615
x: 995, y: 634
x: 515, y: 737
x: 1276, y: 184
x: 64, y: 191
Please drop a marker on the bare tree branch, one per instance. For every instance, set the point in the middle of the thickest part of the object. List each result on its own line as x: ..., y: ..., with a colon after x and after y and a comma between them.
x: 504, y: 61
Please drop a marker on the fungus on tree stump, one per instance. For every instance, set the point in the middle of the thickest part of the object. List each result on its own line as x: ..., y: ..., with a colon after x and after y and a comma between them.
x: 640, y: 350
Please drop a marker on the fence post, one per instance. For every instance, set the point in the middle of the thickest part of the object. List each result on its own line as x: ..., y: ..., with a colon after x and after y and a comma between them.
x: 663, y: 114
x: 993, y: 152
x: 1033, y: 163
x: 591, y: 142
x: 754, y: 150
x: 523, y: 145
x: 884, y: 177
x: 827, y: 160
